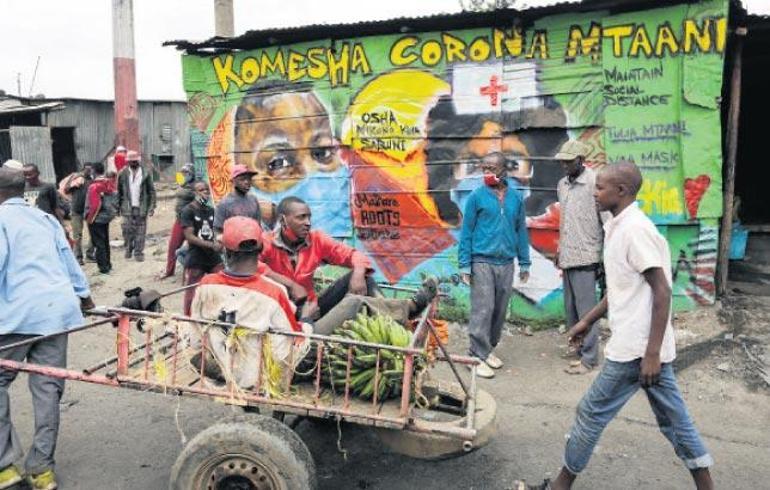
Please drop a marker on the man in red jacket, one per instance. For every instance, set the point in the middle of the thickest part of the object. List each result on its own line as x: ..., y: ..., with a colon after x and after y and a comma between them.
x: 295, y: 251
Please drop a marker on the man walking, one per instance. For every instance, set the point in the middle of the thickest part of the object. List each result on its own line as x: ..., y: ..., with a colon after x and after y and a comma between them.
x: 136, y: 200
x: 42, y: 291
x: 580, y: 248
x: 494, y: 233
x: 641, y: 350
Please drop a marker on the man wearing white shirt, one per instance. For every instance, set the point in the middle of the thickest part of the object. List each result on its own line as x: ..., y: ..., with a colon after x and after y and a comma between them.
x: 641, y: 350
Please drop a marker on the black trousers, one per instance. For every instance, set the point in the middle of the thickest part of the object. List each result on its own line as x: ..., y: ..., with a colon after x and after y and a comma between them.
x: 331, y: 296
x: 100, y: 233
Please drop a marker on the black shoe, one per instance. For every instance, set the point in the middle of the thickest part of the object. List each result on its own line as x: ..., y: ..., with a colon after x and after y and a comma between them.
x: 139, y: 258
x: 81, y: 261
x: 426, y: 293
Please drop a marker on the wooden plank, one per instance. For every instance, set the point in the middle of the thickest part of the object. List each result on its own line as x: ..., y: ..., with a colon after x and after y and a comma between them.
x: 732, y: 153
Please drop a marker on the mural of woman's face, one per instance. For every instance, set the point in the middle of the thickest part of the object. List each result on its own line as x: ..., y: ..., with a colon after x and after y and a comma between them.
x: 491, y: 139
x: 284, y: 137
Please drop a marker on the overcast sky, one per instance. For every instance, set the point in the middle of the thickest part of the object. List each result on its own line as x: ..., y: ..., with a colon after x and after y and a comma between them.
x: 74, y: 38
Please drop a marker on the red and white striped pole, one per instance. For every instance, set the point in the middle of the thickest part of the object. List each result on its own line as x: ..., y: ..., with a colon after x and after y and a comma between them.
x: 126, y: 106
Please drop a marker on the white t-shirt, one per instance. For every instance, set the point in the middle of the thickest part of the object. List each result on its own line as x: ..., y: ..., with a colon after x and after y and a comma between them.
x: 135, y: 186
x: 633, y: 245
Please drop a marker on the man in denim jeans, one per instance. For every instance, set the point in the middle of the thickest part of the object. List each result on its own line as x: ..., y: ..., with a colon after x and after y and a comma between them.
x: 641, y: 349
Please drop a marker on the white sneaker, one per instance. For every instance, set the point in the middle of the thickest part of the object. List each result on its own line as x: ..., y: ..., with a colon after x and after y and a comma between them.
x: 494, y: 362
x: 484, y: 371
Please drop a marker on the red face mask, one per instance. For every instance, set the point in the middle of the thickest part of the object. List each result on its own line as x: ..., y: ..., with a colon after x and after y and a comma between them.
x: 289, y: 233
x: 491, y: 179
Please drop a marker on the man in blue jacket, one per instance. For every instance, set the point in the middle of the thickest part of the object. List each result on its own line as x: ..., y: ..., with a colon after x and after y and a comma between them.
x: 494, y: 233
x: 42, y: 291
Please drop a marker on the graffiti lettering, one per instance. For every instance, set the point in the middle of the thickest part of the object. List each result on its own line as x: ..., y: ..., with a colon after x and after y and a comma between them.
x: 380, y: 131
x: 362, y: 199
x: 451, y: 49
x: 633, y: 75
x: 383, y: 217
x: 710, y: 37
x: 636, y: 100
x: 580, y: 43
x: 316, y: 63
x: 649, y: 132
x: 659, y: 198
x: 369, y: 234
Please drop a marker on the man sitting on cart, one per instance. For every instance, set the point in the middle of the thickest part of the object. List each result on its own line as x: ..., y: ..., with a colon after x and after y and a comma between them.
x: 295, y: 251
x: 243, y: 296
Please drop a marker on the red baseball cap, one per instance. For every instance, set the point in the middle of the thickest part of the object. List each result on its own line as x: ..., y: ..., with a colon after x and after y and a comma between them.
x: 238, y: 231
x: 239, y: 170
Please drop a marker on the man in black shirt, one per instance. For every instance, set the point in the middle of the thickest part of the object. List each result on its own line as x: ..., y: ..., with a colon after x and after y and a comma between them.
x: 41, y: 194
x: 204, y: 255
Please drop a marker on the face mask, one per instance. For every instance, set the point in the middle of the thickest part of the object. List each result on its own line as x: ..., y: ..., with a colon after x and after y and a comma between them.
x: 290, y: 235
x: 491, y: 180
x: 328, y: 194
x: 203, y: 201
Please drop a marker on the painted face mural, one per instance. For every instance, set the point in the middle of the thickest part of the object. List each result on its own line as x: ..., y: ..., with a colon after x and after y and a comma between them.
x: 383, y: 136
x: 284, y: 137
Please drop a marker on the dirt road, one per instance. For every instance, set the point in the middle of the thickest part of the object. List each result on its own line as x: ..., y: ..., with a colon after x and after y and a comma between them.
x: 121, y: 439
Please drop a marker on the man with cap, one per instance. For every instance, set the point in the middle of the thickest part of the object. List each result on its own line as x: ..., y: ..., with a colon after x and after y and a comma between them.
x: 136, y: 201
x: 240, y: 202
x: 242, y: 295
x: 42, y: 292
x: 580, y: 248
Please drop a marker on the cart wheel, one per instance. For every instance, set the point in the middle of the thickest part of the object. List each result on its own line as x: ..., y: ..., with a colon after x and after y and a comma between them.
x: 257, y: 453
x: 436, y: 446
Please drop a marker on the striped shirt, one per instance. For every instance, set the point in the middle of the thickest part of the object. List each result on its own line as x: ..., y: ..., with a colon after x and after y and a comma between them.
x: 580, y: 229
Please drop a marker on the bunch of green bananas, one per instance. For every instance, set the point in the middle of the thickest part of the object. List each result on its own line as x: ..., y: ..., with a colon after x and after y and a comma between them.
x: 378, y: 330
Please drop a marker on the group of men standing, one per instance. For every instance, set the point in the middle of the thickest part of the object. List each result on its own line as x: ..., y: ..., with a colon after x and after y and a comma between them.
x: 494, y: 236
x: 601, y: 229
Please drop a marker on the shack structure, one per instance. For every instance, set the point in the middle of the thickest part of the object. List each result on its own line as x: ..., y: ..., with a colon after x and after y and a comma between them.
x: 60, y: 134
x: 380, y: 125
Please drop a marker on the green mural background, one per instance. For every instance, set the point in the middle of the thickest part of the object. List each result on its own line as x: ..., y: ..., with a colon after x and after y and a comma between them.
x: 381, y: 134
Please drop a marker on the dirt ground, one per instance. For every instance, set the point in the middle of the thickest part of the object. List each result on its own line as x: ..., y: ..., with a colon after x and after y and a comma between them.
x: 123, y: 439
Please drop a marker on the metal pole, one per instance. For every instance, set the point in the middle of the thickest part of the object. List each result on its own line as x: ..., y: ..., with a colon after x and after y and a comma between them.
x: 38, y: 338
x: 732, y: 153
x: 124, y: 68
x: 224, y: 23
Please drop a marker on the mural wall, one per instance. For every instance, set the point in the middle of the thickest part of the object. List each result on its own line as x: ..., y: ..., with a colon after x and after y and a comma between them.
x: 383, y: 135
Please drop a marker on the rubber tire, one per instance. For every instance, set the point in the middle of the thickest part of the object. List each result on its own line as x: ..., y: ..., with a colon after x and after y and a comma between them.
x: 263, y: 438
x: 436, y: 446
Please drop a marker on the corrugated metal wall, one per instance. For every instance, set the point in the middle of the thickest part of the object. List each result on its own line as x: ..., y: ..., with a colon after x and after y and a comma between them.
x: 163, y: 125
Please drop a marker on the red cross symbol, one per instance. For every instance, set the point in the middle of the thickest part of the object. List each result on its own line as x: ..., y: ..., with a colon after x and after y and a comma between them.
x: 493, y: 89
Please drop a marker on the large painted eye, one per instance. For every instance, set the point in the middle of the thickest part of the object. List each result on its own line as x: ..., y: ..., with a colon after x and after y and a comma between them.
x: 322, y: 154
x: 511, y: 164
x: 278, y: 163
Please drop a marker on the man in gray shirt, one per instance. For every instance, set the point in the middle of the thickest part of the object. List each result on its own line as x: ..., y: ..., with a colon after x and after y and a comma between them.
x: 580, y: 247
x: 240, y: 202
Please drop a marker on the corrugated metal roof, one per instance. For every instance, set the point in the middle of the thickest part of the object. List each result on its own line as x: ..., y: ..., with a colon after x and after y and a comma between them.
x: 16, y: 106
x: 460, y: 20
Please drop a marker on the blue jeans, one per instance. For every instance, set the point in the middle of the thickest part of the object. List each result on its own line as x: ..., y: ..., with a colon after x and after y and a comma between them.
x: 613, y: 387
